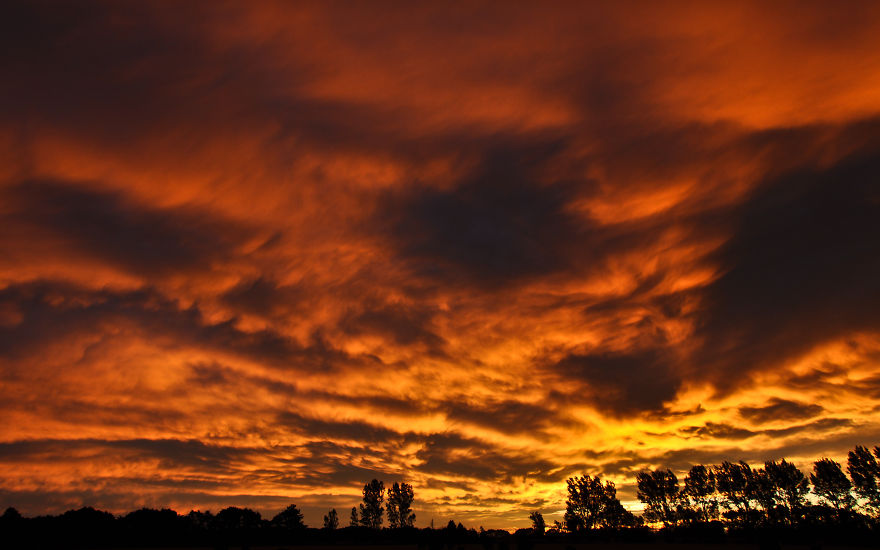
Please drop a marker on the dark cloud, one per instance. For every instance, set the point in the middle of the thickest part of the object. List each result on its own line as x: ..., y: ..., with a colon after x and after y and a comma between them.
x: 720, y: 430
x: 264, y: 297
x: 622, y: 383
x: 89, y: 413
x: 50, y: 311
x: 404, y: 324
x: 714, y: 430
x: 192, y: 465
x: 804, y: 252
x: 801, y: 269
x: 116, y: 229
x: 498, y: 226
x: 210, y: 374
x: 511, y: 417
x: 172, y: 454
x: 334, y: 430
x: 450, y: 454
x: 159, y: 74
x: 167, y: 81
x: 817, y: 426
x: 780, y: 409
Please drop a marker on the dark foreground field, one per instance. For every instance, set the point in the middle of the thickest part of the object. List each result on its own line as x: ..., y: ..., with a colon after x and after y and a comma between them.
x: 89, y: 529
x: 752, y: 541
x: 551, y: 546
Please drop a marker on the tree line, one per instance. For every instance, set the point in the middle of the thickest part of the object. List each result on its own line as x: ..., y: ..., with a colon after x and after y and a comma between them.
x: 732, y: 494
x: 231, y: 526
x: 710, y: 503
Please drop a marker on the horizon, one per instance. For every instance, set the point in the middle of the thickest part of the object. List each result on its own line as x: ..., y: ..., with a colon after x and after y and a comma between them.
x: 260, y: 253
x: 861, y: 504
x: 687, y: 493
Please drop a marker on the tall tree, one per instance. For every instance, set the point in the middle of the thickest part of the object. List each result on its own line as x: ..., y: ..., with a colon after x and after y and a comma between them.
x: 658, y: 490
x: 865, y: 474
x: 831, y: 485
x: 290, y: 518
x: 399, y: 505
x: 588, y: 502
x: 538, y: 525
x: 699, y: 487
x: 763, y: 491
x: 331, y: 520
x: 11, y: 515
x: 791, y: 487
x: 735, y: 482
x: 371, y: 508
x: 353, y: 520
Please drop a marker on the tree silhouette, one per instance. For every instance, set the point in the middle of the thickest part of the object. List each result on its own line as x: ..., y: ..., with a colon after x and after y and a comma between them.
x: 289, y: 519
x: 777, y: 493
x: 233, y: 518
x: 10, y: 523
x: 831, y: 485
x: 371, y: 508
x: 200, y: 520
x: 538, y: 525
x: 658, y: 490
x: 699, y: 486
x: 399, y: 506
x: 735, y: 482
x: 790, y: 486
x: 763, y: 491
x: 865, y: 475
x: 590, y: 503
x: 237, y: 525
x: 331, y: 520
x: 353, y: 520
x: 615, y: 516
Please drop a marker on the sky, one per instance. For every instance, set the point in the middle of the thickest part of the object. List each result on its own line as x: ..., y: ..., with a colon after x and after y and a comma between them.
x: 260, y: 253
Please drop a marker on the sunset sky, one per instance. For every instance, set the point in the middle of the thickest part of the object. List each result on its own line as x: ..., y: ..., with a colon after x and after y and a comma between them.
x: 259, y: 253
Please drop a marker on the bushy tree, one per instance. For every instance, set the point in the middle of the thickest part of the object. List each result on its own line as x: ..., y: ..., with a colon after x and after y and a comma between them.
x: 399, y: 505
x: 615, y: 516
x: 592, y: 504
x: 200, y: 520
x: 831, y: 485
x: 763, y: 491
x: 331, y: 520
x: 790, y: 486
x: 11, y: 515
x: 699, y: 488
x: 538, y: 525
x: 658, y: 490
x: 735, y: 482
x: 290, y: 518
x: 371, y: 508
x: 864, y: 472
x: 238, y: 518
